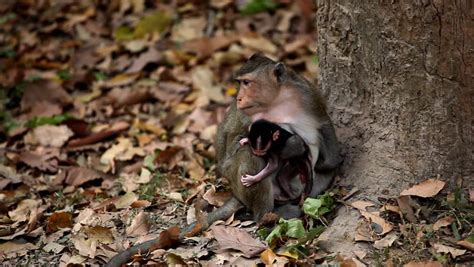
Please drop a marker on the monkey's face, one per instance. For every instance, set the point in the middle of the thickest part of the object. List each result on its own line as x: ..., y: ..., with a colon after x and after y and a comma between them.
x: 256, y: 92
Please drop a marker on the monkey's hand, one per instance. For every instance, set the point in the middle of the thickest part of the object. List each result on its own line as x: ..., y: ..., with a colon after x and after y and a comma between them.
x: 272, y: 165
x: 244, y: 141
x: 248, y: 180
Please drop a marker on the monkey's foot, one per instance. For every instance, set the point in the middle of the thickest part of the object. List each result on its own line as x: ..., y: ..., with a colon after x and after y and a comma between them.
x: 248, y: 180
x: 244, y: 141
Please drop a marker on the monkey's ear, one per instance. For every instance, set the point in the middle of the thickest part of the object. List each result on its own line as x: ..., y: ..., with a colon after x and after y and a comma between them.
x: 279, y: 71
x: 254, y: 56
x: 276, y: 135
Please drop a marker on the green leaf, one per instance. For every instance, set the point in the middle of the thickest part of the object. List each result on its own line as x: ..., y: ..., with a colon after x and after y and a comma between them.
x: 315, y: 59
x: 257, y: 6
x: 123, y: 33
x: 263, y: 232
x: 157, y: 22
x: 54, y: 120
x: 64, y: 75
x: 295, y: 228
x: 315, y: 207
x: 7, y: 52
x: 100, y: 76
x: 277, y: 232
x: 149, y: 162
x: 5, y: 18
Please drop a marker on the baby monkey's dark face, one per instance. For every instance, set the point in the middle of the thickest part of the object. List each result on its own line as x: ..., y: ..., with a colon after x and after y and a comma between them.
x: 265, y: 136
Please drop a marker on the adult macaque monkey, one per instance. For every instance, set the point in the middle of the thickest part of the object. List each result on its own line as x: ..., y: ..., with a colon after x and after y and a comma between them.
x: 268, y: 90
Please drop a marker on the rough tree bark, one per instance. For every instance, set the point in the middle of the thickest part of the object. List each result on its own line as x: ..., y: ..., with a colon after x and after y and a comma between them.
x: 398, y: 77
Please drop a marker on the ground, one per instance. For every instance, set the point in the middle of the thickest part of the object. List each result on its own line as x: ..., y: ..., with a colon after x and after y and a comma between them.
x: 108, y: 115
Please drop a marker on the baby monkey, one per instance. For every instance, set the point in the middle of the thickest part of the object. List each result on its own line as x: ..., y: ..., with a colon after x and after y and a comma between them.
x: 279, y: 148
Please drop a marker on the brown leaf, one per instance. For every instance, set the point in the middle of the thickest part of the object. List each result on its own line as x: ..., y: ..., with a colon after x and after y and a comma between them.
x: 259, y: 43
x: 238, y: 239
x: 170, y: 157
x: 406, y: 209
x: 121, y: 80
x: 80, y: 175
x: 126, y: 200
x: 385, y: 242
x: 46, y: 91
x: 392, y: 208
x: 216, y: 198
x: 440, y: 248
x: 203, y: 79
x: 16, y: 246
x: 23, y: 210
x: 44, y: 133
x: 168, y: 239
x: 445, y: 221
x: 140, y: 225
x: 43, y: 159
x: 100, y: 234
x: 471, y: 194
x: 362, y: 205
x: 423, y: 264
x: 427, y: 188
x: 99, y: 136
x: 151, y: 56
x: 206, y: 46
x: 119, y: 97
x: 59, y: 220
x: 373, y: 218
x: 466, y: 244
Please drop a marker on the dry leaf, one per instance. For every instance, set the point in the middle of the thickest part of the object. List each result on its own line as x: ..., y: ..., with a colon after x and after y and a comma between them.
x: 471, y: 194
x: 59, y: 220
x: 203, y: 80
x: 427, y: 188
x: 216, y: 198
x: 423, y: 264
x: 126, y: 200
x: 23, y: 210
x: 362, y: 204
x: 385, y: 242
x: 466, y: 244
x: 188, y: 29
x: 100, y: 234
x: 258, y: 43
x: 392, y: 208
x: 405, y: 208
x: 123, y: 150
x: 445, y: 221
x: 176, y: 196
x: 80, y: 175
x: 446, y: 249
x: 271, y: 259
x: 99, y: 136
x: 44, y: 133
x: 16, y: 246
x: 373, y: 218
x: 238, y: 239
x: 43, y: 159
x: 121, y: 80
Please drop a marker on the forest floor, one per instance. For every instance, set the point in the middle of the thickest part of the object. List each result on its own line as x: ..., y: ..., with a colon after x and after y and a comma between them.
x: 108, y: 114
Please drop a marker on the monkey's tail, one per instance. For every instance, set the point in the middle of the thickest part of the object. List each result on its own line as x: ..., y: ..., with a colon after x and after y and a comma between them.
x: 173, y: 237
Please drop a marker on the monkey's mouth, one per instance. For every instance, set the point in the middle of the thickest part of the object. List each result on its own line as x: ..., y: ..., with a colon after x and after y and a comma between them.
x: 259, y: 152
x: 246, y: 107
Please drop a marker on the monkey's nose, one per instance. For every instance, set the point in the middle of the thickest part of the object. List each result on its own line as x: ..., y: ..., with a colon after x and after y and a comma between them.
x: 239, y: 99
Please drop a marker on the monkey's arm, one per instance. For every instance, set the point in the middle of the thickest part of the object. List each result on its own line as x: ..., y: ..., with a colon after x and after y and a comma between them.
x: 272, y: 165
x: 329, y: 155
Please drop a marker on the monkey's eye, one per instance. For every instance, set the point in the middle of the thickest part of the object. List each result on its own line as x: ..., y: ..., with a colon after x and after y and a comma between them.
x: 245, y: 82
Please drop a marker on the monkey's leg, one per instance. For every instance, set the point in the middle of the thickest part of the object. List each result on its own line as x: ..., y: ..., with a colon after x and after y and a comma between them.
x: 288, y: 211
x: 224, y: 212
x: 272, y: 165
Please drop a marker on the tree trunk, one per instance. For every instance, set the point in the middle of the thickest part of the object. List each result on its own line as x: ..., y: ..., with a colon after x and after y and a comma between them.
x: 399, y: 83
x: 398, y: 78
